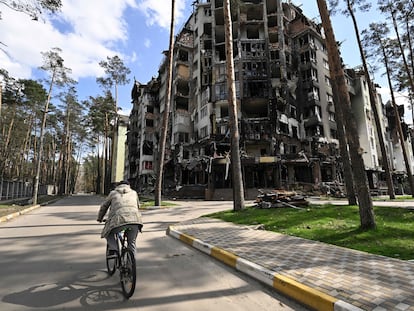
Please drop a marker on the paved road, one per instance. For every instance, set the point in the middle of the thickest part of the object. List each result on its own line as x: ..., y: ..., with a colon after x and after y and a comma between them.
x: 53, y: 259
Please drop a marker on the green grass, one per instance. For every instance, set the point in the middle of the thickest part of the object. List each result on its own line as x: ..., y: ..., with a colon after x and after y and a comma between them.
x: 338, y: 225
x: 146, y: 202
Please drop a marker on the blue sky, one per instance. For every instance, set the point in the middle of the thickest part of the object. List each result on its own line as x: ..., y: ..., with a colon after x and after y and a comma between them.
x: 89, y: 31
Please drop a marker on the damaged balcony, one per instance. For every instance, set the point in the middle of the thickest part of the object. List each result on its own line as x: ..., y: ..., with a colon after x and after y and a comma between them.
x: 181, y: 121
x: 182, y: 94
x: 256, y: 129
x: 255, y: 108
x: 255, y: 69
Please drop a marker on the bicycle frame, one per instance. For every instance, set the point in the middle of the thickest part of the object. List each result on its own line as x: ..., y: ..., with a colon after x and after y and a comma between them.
x: 124, y: 261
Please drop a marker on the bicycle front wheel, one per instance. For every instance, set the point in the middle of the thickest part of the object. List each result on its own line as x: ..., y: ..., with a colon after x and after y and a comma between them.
x: 128, y: 273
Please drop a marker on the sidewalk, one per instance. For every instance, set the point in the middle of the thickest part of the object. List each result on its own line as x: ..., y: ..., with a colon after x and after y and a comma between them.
x: 319, y: 275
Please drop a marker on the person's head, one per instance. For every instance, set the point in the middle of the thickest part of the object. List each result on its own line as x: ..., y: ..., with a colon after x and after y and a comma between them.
x: 123, y: 182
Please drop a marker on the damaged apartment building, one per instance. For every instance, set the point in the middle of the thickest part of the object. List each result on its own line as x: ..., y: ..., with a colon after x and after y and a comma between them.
x: 288, y: 133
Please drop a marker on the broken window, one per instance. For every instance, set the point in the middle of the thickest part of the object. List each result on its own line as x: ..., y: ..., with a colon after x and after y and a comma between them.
x: 183, y: 55
x: 147, y: 147
x: 293, y: 112
x: 224, y: 111
x: 149, y: 123
x: 295, y: 132
x: 274, y: 55
x: 181, y: 137
x: 284, y: 128
x: 147, y: 165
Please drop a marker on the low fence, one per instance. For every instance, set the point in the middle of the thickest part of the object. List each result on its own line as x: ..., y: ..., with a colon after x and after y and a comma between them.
x: 12, y: 190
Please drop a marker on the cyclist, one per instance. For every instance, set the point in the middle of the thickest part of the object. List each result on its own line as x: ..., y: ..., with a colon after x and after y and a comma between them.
x: 123, y: 205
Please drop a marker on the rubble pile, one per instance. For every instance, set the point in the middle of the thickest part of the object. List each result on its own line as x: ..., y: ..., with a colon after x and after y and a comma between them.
x: 280, y: 198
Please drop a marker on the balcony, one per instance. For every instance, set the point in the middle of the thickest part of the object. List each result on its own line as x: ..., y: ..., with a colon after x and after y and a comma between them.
x: 312, y: 121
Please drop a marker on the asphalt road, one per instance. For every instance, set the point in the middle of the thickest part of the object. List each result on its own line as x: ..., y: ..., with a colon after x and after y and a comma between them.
x: 53, y: 259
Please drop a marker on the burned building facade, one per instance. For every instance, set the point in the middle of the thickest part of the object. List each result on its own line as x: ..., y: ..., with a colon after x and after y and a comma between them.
x: 288, y: 133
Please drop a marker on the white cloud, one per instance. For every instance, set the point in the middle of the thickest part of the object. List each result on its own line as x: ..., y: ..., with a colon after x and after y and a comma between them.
x: 158, y: 12
x: 86, y: 32
x: 96, y: 20
x: 133, y: 58
x: 147, y: 43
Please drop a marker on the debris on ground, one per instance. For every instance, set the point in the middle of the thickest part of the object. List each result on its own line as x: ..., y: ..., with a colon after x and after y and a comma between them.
x: 280, y: 198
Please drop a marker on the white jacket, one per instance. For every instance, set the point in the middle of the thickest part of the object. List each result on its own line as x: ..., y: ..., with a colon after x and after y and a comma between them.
x: 123, y: 204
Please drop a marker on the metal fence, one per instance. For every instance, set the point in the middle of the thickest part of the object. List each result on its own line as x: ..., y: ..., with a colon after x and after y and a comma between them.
x: 12, y: 190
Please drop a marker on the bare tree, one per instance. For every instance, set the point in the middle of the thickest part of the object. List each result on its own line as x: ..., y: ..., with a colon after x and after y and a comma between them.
x: 166, y: 113
x: 373, y: 98
x: 238, y: 189
x: 366, y: 212
x: 59, y: 75
x: 375, y: 38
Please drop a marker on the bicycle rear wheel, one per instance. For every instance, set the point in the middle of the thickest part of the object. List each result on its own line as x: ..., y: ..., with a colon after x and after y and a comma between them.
x: 128, y: 273
x: 111, y: 262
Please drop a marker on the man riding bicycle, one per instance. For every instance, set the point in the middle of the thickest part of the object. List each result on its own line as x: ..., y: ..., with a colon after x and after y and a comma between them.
x: 123, y: 205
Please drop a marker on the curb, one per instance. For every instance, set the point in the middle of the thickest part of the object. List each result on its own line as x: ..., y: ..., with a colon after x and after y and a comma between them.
x: 26, y: 210
x: 302, y: 293
x: 16, y: 214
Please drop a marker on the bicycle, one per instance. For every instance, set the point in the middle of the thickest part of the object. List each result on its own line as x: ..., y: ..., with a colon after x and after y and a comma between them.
x: 124, y: 262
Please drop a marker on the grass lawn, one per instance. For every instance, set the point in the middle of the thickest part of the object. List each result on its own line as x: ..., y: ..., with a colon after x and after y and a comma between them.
x: 338, y: 225
x: 146, y: 202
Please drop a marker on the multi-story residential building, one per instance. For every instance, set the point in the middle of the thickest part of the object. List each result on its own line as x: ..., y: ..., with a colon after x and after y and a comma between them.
x: 118, y: 157
x: 288, y: 132
x: 142, y: 135
x: 367, y: 129
x: 397, y: 158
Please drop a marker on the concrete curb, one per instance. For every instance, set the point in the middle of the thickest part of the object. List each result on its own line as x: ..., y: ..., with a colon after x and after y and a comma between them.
x: 26, y: 210
x: 302, y: 293
x: 16, y: 214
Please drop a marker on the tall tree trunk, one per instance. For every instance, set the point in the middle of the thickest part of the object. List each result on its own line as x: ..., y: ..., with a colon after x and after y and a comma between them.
x: 6, y: 152
x: 68, y: 166
x: 366, y: 212
x: 373, y: 100
x: 25, y: 148
x: 61, y: 170
x: 32, y: 170
x: 238, y: 190
x: 54, y: 168
x: 410, y: 47
x: 67, y: 150
x: 41, y: 138
x: 166, y: 114
x: 97, y: 181
x: 398, y: 122
x: 104, y: 166
x: 76, y: 170
x: 343, y: 149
